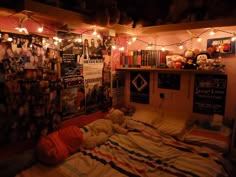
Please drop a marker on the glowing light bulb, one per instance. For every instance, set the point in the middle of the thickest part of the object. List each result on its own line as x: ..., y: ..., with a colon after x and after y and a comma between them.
x: 181, y: 47
x: 212, y: 32
x: 233, y: 38
x: 121, y: 48
x: 134, y: 39
x: 40, y: 29
x: 199, y: 39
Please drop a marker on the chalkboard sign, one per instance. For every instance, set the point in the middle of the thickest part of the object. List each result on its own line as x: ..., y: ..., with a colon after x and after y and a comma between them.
x: 209, y: 94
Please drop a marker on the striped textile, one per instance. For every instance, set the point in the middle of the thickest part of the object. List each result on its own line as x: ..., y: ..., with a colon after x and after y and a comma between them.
x: 208, y: 138
x: 143, y: 152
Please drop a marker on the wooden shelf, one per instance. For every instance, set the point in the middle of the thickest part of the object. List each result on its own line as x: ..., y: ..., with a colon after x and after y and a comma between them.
x: 169, y: 70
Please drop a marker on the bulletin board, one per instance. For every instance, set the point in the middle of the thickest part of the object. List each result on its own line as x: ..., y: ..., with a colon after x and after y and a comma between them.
x: 210, y: 93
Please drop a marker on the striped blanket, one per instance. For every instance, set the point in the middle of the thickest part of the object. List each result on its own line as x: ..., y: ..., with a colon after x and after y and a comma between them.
x: 142, y: 152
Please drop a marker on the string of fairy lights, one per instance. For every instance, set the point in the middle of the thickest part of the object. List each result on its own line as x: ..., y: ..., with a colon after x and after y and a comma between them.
x: 131, y: 40
x: 180, y: 45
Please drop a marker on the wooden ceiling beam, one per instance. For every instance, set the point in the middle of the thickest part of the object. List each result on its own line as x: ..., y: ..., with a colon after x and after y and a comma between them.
x: 60, y: 17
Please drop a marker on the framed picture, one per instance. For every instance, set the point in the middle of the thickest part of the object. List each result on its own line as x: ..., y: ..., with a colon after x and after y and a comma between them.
x: 221, y: 46
x: 169, y: 81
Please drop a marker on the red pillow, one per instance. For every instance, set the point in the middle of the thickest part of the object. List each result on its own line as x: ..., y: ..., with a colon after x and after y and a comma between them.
x: 57, y: 146
x: 72, y: 137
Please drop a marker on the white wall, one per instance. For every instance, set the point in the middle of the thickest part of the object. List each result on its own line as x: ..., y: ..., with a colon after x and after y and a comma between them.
x: 182, y: 99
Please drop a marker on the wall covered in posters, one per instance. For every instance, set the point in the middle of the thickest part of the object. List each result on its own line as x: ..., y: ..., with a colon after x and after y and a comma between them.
x: 43, y: 83
x: 89, y: 60
x: 29, y: 86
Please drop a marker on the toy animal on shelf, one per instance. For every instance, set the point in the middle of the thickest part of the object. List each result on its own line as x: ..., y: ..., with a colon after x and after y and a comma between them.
x: 190, y: 60
x: 205, y: 62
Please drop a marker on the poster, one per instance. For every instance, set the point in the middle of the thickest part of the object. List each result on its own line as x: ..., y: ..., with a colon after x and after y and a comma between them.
x: 70, y: 43
x: 93, y: 47
x: 169, y: 81
x: 139, y: 87
x: 209, y: 94
x: 93, y: 84
x: 73, y: 96
x: 221, y: 46
x: 70, y: 66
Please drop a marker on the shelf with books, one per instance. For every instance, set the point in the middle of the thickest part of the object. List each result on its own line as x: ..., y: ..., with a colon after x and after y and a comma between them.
x: 168, y: 70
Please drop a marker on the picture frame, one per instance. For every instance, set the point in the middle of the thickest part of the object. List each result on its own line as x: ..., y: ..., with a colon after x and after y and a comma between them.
x: 169, y: 81
x: 221, y: 47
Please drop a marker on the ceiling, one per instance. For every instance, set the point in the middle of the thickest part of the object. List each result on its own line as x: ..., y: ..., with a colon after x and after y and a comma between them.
x: 143, y: 17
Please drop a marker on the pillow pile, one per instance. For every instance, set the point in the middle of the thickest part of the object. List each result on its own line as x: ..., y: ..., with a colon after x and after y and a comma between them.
x: 57, y: 146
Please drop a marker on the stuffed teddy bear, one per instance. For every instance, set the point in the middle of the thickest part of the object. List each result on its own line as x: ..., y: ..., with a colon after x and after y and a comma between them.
x: 202, y: 60
x: 102, y: 129
x: 190, y: 61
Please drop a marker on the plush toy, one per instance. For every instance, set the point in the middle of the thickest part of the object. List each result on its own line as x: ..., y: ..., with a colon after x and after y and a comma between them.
x: 118, y: 121
x: 175, y: 61
x: 102, y: 129
x: 190, y: 61
x: 202, y: 60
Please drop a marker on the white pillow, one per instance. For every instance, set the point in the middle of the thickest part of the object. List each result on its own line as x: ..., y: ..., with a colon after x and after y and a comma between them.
x: 173, y: 123
x: 145, y: 115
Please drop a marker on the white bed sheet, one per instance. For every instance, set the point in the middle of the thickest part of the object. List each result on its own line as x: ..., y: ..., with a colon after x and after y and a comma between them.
x: 142, y: 152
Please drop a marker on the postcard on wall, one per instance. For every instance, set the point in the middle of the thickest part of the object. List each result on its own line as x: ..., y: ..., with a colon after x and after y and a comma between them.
x: 221, y: 47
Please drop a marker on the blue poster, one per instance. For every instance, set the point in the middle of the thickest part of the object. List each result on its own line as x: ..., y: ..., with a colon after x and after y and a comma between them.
x: 221, y: 47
